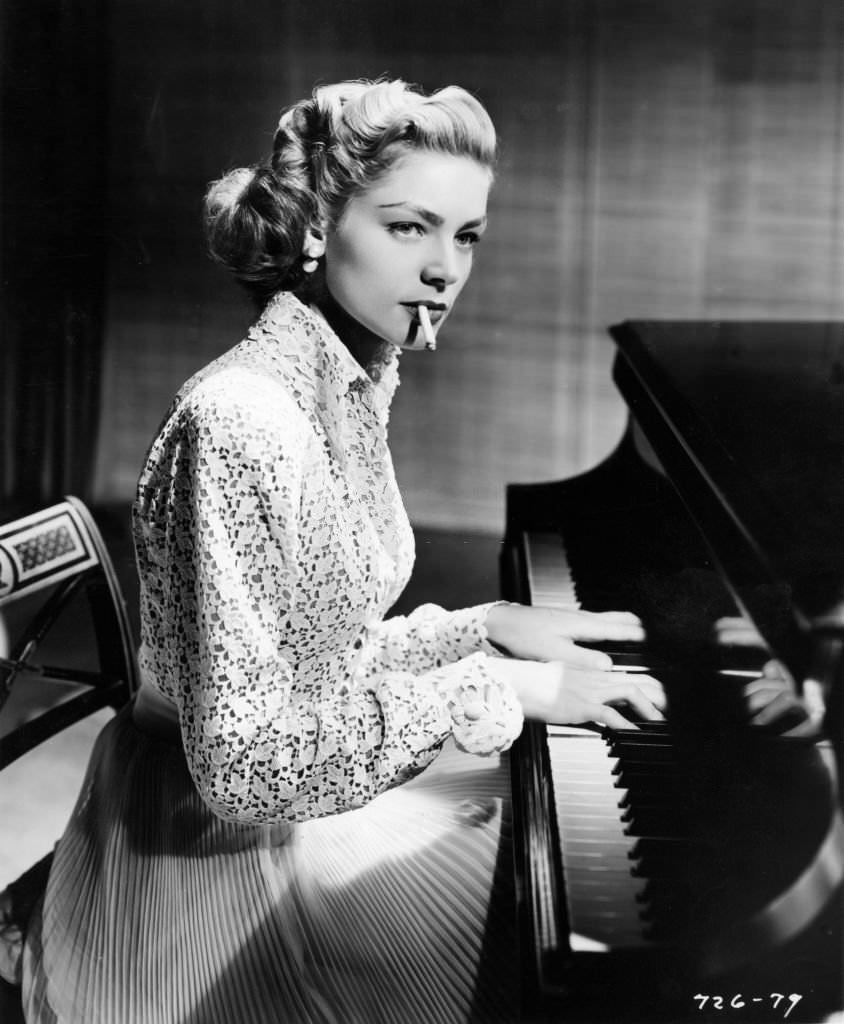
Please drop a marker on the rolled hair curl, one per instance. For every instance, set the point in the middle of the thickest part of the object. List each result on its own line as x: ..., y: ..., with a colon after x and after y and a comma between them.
x: 327, y: 149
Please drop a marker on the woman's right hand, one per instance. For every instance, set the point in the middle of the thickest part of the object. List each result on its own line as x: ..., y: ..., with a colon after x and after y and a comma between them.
x: 556, y: 692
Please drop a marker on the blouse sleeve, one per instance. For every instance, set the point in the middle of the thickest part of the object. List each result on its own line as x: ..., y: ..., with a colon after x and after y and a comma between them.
x: 430, y: 637
x: 263, y: 743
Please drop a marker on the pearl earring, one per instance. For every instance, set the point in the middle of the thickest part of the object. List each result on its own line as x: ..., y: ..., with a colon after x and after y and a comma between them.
x: 313, y: 248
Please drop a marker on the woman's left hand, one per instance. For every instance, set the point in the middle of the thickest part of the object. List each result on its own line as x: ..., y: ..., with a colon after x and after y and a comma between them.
x: 551, y: 634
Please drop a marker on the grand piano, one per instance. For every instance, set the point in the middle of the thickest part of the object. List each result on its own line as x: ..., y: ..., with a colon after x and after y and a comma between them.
x: 692, y: 869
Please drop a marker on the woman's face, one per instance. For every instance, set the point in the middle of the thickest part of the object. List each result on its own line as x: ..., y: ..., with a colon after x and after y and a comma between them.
x: 408, y: 240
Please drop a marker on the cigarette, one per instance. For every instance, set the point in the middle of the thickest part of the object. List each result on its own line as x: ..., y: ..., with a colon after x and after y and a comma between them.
x: 427, y: 329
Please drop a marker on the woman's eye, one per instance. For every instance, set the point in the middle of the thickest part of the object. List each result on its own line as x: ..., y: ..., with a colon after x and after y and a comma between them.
x: 405, y: 229
x: 468, y: 239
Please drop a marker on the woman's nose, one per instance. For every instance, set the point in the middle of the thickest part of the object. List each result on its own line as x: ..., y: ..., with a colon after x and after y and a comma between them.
x: 441, y: 270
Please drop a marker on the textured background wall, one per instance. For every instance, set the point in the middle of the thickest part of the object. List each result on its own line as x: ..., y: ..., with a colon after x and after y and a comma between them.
x: 661, y: 158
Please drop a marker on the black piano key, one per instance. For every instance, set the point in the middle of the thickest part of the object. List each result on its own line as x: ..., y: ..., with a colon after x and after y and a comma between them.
x: 631, y: 774
x: 650, y: 731
x: 662, y: 848
x: 664, y: 821
x: 643, y: 752
x: 648, y: 798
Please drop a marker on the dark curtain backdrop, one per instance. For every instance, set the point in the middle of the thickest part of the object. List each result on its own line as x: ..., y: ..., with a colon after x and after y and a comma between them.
x: 52, y: 186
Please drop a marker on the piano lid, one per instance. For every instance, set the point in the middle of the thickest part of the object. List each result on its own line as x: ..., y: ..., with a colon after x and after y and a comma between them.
x: 748, y: 419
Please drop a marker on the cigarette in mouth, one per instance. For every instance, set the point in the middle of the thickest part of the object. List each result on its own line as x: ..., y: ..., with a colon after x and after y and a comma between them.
x: 427, y: 329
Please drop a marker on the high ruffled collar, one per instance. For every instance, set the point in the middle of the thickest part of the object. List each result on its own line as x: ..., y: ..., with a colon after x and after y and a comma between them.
x: 317, y: 341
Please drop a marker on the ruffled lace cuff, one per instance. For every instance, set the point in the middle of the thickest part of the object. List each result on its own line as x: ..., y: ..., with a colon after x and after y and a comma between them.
x: 485, y: 644
x: 468, y: 625
x: 486, y: 715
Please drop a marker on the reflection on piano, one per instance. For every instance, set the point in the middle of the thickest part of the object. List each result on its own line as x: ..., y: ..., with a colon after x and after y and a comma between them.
x: 692, y: 870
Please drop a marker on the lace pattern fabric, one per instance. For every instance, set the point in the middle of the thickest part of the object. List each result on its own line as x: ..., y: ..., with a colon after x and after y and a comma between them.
x: 271, y: 541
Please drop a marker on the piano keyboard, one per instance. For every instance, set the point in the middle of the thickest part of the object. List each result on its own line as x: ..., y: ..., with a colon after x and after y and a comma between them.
x: 549, y: 576
x: 604, y: 899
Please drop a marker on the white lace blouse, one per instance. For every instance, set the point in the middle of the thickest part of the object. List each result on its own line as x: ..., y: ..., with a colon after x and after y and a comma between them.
x: 271, y: 541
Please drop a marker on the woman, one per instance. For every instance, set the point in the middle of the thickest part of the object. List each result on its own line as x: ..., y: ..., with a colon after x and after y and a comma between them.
x: 291, y: 824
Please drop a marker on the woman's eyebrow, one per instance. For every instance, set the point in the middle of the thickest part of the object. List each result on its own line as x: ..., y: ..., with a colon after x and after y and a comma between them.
x: 428, y: 215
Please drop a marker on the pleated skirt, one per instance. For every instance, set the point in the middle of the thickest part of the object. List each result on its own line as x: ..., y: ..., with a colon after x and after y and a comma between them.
x: 158, y: 912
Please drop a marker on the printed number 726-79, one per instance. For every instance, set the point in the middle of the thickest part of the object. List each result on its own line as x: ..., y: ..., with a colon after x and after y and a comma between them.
x: 738, y: 1001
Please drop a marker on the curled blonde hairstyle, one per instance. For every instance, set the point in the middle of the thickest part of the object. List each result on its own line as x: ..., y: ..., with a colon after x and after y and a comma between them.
x: 328, y: 148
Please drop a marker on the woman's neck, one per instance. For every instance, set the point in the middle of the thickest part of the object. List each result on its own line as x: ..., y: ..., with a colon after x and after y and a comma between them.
x: 370, y: 351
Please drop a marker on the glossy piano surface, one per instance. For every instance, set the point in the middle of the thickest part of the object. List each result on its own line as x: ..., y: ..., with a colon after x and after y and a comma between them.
x: 748, y: 420
x: 724, y: 866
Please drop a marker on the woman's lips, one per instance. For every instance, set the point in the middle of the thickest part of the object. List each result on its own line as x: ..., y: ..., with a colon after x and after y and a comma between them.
x: 436, y: 310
